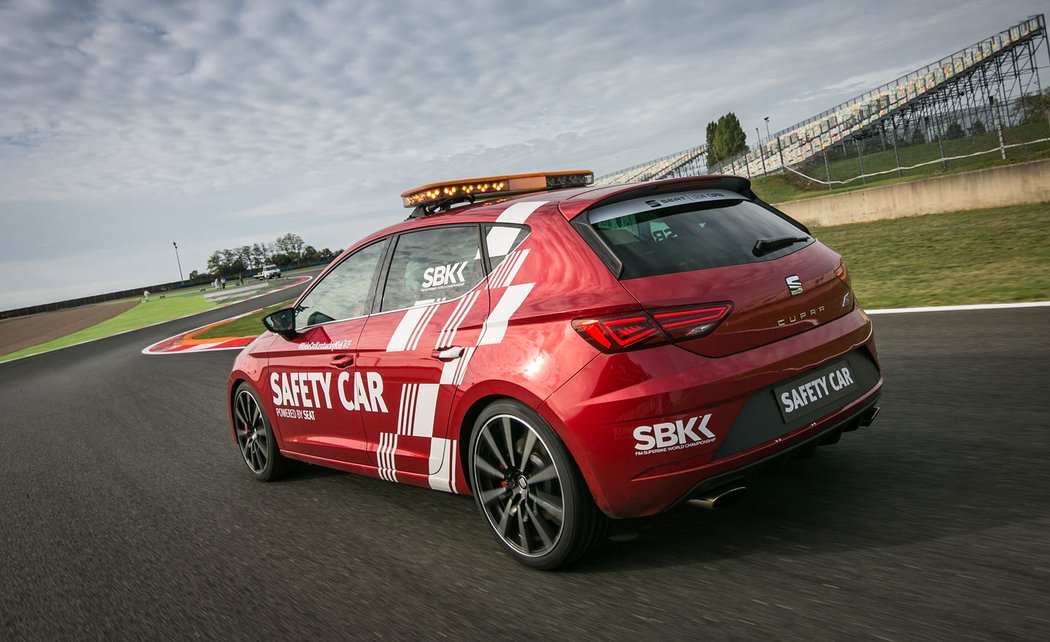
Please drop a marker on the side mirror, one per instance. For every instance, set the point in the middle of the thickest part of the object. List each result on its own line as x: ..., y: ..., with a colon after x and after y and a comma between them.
x: 281, y: 322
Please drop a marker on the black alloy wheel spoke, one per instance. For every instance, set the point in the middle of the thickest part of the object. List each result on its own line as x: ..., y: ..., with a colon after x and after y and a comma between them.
x: 551, y: 504
x: 509, y: 441
x: 493, y: 447
x: 523, y: 535
x: 540, y: 527
x: 546, y: 473
x: 488, y: 496
x: 488, y: 469
x: 530, y: 442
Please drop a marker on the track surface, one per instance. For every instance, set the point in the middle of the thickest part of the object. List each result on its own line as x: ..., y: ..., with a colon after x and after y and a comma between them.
x: 125, y: 512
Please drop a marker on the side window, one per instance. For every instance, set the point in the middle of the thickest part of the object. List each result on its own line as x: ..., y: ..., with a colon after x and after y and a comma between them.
x: 501, y: 240
x: 343, y: 293
x: 435, y: 264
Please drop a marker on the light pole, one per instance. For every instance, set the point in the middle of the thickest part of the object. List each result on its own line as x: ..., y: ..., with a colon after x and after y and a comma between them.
x: 761, y: 154
x: 178, y: 262
x: 779, y: 150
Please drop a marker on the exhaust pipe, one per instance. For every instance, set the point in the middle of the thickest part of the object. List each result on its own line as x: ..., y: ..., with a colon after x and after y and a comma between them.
x: 718, y: 498
x: 869, y: 415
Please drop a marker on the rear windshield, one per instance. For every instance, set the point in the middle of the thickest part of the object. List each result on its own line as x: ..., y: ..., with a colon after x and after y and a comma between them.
x: 713, y: 229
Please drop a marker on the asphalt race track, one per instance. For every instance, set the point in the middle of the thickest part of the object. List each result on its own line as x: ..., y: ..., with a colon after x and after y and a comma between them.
x: 125, y: 512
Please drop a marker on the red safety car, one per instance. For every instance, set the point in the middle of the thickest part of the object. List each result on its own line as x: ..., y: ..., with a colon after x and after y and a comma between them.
x: 564, y: 352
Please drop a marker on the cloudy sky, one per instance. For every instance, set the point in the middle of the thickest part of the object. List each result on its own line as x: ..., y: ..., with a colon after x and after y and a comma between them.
x: 126, y: 125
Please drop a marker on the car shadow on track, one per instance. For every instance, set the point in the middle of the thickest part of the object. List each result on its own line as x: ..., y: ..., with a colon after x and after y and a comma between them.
x: 837, y: 501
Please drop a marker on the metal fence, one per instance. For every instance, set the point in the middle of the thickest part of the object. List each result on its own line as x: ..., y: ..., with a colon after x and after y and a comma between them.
x: 988, y: 93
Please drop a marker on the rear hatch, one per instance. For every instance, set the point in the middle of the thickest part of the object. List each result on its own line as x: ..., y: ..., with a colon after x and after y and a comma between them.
x: 701, y: 249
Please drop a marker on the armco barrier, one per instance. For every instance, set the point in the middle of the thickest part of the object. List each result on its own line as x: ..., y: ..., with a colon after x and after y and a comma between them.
x: 1020, y: 184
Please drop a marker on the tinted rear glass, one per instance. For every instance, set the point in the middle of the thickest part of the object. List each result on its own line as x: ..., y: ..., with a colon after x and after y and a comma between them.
x: 708, y: 230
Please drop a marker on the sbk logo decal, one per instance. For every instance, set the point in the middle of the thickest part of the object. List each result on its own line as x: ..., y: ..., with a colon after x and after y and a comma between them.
x: 667, y: 436
x: 444, y: 275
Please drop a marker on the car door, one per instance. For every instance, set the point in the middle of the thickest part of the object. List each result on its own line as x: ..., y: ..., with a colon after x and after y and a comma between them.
x: 430, y: 310
x: 318, y: 393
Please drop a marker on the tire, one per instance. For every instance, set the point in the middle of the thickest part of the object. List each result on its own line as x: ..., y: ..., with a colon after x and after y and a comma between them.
x: 254, y: 437
x: 529, y: 490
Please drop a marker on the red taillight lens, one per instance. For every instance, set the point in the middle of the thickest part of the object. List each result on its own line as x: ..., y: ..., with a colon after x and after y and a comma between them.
x: 642, y: 330
x: 843, y: 274
x: 691, y: 322
x: 619, y: 333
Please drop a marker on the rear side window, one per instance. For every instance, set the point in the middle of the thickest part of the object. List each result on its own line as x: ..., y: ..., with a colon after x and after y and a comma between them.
x: 689, y: 231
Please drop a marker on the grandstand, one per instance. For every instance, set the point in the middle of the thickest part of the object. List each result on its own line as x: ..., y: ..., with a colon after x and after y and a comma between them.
x: 982, y: 82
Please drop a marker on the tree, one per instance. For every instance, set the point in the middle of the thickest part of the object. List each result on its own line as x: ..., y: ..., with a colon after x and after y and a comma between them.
x: 712, y: 127
x: 194, y: 274
x: 977, y: 128
x: 955, y: 130
x: 726, y: 139
x: 291, y: 244
x: 1034, y: 106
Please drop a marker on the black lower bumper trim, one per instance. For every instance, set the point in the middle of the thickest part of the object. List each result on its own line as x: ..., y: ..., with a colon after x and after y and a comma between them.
x: 780, y: 459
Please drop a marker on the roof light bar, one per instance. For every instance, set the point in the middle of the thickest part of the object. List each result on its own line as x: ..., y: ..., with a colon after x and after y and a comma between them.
x: 495, y: 186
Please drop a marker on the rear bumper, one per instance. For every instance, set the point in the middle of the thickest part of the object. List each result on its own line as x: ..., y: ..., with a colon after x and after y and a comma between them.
x: 610, y: 414
x: 803, y: 447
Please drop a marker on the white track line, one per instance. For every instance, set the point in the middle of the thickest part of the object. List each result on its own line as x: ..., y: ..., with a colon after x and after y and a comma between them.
x: 963, y: 308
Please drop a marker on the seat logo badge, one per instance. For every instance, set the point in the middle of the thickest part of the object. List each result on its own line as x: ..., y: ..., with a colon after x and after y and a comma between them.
x: 794, y: 285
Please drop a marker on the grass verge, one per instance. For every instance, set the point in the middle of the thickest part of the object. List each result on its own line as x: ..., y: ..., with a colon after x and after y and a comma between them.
x: 979, y: 256
x: 140, y: 316
x: 247, y: 326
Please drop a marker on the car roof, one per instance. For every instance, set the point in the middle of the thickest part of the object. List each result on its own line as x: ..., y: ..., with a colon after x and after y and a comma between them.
x: 568, y: 202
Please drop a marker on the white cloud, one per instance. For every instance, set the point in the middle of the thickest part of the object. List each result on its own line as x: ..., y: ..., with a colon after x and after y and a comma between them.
x: 126, y: 123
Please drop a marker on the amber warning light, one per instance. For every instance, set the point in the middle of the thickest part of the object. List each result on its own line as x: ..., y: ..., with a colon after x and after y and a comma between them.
x: 495, y: 186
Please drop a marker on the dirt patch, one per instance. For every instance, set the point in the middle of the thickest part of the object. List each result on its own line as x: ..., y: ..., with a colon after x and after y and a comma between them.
x: 24, y: 332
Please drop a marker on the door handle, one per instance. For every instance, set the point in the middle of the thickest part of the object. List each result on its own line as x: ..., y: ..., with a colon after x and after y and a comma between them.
x: 448, y: 354
x: 343, y: 360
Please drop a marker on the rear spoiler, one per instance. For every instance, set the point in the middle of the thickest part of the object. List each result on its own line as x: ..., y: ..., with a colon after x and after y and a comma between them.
x: 571, y: 208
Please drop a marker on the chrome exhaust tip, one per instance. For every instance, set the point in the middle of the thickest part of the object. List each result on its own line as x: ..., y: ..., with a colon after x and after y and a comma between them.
x: 868, y: 416
x: 718, y: 498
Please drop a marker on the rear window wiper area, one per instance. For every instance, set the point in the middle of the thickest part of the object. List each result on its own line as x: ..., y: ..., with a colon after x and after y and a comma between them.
x: 767, y: 245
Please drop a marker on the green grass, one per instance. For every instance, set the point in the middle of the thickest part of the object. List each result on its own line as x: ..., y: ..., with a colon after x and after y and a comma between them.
x: 979, y: 256
x: 787, y: 187
x: 140, y: 316
x: 247, y: 326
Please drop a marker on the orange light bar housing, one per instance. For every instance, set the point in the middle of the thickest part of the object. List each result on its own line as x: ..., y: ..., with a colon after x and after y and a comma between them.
x: 496, y: 186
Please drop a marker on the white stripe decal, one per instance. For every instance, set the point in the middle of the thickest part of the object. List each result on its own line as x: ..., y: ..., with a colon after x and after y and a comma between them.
x: 497, y: 274
x: 496, y: 325
x: 452, y: 465
x: 515, y: 266
x: 402, y: 409
x: 500, y: 239
x: 385, y: 457
x: 413, y: 342
x: 461, y: 369
x: 518, y: 212
x: 462, y: 309
x: 438, y: 478
x: 405, y: 328
x: 448, y: 371
x: 424, y: 409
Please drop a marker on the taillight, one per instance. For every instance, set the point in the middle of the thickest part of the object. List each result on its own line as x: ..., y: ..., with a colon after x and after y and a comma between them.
x: 843, y: 274
x: 691, y: 322
x: 645, y: 329
x: 619, y: 333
